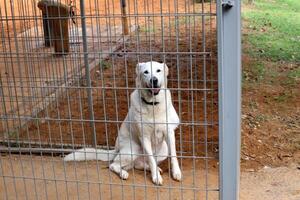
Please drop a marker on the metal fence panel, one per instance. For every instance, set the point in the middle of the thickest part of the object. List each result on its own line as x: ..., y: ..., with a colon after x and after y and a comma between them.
x: 67, y: 70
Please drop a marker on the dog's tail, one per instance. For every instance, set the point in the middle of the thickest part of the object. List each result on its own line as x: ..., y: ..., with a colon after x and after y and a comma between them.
x: 91, y: 154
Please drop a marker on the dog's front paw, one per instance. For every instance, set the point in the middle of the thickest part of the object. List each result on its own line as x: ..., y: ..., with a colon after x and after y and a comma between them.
x: 157, y: 179
x: 124, y: 175
x: 176, y: 173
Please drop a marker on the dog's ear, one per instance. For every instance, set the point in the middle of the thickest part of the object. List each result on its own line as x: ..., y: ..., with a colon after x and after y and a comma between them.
x: 138, y: 68
x: 166, y: 68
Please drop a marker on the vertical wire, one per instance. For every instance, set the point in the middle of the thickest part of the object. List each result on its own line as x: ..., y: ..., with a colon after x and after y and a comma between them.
x: 212, y: 77
x: 35, y: 75
x: 74, y: 57
x: 146, y: 12
x: 87, y: 73
x: 104, y: 102
x: 129, y: 15
x: 114, y: 21
x: 109, y: 38
x: 65, y: 77
x: 130, y: 126
x: 56, y: 74
x: 165, y: 91
x: 138, y: 43
x: 192, y: 100
x: 153, y: 18
x: 128, y: 104
x: 169, y: 20
x: 90, y: 37
x: 88, y: 78
x: 115, y: 87
x: 74, y: 74
x: 178, y: 79
x: 2, y: 172
x: 154, y: 124
x: 99, y: 47
x: 205, y: 102
x: 47, y: 77
x: 195, y: 42
x: 27, y: 130
x: 21, y: 85
x: 169, y: 40
x: 6, y: 61
x: 8, y: 141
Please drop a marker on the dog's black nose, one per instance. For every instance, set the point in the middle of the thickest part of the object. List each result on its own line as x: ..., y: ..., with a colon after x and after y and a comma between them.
x: 154, y: 81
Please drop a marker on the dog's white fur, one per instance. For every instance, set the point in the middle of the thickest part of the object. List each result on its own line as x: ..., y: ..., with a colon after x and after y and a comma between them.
x: 146, y: 136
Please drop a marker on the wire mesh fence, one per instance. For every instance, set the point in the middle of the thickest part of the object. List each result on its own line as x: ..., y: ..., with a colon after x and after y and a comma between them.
x: 67, y: 70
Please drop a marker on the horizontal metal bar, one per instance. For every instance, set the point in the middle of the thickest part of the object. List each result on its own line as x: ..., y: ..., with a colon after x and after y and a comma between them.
x: 194, y: 123
x: 113, y: 88
x: 40, y: 144
x: 36, y: 143
x: 188, y: 53
x: 34, y: 150
x: 110, y: 15
x: 60, y: 151
x: 44, y: 79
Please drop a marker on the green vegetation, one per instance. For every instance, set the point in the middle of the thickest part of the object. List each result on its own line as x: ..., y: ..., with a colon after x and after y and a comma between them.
x: 254, y: 73
x: 294, y: 74
x: 273, y: 29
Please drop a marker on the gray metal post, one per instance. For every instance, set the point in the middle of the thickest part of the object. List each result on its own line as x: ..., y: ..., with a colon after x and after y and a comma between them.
x: 87, y: 72
x: 229, y: 66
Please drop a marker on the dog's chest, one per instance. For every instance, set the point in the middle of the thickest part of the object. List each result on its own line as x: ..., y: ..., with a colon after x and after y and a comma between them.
x: 157, y: 119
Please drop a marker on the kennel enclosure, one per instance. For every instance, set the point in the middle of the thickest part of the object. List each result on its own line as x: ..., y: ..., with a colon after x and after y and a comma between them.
x: 53, y: 103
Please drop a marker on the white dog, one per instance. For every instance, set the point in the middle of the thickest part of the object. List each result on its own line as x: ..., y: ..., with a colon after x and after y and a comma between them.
x: 146, y: 136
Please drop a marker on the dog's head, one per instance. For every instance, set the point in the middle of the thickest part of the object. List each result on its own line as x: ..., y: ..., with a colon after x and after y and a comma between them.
x: 152, y: 76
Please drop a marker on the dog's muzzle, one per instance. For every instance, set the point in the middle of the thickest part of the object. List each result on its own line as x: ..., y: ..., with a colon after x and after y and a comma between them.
x: 154, y: 88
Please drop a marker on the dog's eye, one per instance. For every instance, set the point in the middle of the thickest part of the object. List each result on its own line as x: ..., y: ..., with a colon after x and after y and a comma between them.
x: 146, y: 72
x: 158, y: 70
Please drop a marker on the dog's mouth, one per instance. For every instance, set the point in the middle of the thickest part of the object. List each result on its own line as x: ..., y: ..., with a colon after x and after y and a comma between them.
x: 154, y: 90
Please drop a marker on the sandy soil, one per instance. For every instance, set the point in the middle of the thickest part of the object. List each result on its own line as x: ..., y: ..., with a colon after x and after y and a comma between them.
x: 281, y: 183
x: 81, y: 181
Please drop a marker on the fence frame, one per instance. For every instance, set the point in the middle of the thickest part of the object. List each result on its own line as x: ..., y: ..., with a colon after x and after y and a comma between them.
x: 229, y: 90
x: 229, y: 84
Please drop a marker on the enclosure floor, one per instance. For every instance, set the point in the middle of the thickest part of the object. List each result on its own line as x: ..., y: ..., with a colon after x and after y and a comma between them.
x: 267, y: 184
x: 80, y: 180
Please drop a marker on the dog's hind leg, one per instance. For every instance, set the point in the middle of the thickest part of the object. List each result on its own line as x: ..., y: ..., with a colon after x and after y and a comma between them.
x: 122, y: 162
x: 117, y: 168
x: 143, y: 165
